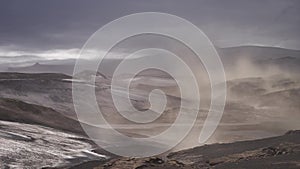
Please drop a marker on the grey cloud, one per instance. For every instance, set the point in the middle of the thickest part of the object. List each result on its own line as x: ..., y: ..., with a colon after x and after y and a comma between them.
x: 55, y: 24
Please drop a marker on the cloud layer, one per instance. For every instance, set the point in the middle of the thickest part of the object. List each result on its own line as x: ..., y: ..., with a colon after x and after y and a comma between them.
x: 50, y: 25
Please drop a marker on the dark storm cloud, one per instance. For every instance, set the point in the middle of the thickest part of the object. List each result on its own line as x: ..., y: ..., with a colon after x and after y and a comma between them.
x: 59, y: 24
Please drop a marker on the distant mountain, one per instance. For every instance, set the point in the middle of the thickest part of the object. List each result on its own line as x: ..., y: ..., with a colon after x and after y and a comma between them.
x: 44, y: 68
x: 13, y: 61
x: 257, y: 52
x: 233, y: 58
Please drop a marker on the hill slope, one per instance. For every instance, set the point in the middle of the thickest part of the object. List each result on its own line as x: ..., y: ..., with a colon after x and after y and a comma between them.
x: 276, y: 153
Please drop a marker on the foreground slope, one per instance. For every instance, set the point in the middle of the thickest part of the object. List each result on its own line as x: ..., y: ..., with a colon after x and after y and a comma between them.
x: 276, y: 153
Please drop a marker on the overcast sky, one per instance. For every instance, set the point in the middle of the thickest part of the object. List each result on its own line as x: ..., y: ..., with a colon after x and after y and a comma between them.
x: 37, y: 26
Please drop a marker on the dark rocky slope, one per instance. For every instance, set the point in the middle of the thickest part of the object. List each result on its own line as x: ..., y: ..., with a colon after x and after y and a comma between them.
x: 18, y: 111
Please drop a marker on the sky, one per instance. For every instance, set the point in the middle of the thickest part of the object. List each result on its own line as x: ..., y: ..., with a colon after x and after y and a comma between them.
x: 61, y: 27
